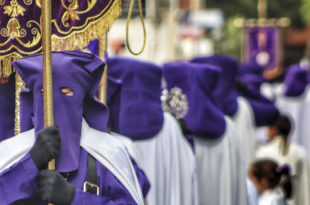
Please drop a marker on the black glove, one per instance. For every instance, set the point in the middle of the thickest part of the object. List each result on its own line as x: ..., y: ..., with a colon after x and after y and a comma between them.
x: 241, y: 87
x: 46, y: 147
x: 54, y: 188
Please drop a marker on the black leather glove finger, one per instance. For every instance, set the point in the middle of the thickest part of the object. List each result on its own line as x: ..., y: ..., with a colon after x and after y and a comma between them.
x: 54, y: 188
x: 46, y: 147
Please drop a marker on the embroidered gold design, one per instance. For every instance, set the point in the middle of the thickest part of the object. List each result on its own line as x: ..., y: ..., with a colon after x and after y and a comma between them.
x: 72, y: 11
x: 28, y: 35
x: 2, y: 2
x: 13, y: 29
x: 14, y: 9
x: 28, y: 2
x: 90, y: 30
x: 38, y: 3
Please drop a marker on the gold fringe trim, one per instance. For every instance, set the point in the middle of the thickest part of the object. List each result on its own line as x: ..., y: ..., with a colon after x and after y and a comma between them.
x: 6, y: 68
x: 95, y: 30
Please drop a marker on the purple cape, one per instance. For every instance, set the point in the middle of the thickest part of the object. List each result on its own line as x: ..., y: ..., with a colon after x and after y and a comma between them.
x: 265, y: 111
x: 295, y: 81
x: 197, y: 81
x: 18, y: 184
x: 140, y: 115
x: 224, y: 93
x: 78, y: 71
x: 7, y: 108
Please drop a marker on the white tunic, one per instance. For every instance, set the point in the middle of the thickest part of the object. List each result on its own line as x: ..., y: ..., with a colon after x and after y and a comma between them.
x: 245, y: 124
x: 244, y: 143
x: 271, y: 197
x: 218, y: 168
x: 109, y: 151
x: 252, y: 193
x: 168, y: 161
x: 297, y: 159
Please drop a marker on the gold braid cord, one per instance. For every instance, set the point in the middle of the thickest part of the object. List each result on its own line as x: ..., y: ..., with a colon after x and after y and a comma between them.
x: 19, y: 86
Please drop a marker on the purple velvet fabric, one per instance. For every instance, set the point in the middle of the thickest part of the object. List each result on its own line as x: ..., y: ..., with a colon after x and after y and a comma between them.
x: 93, y: 47
x: 140, y: 115
x: 224, y: 93
x: 295, y: 81
x: 252, y: 75
x: 265, y: 111
x: 80, y: 72
x: 197, y: 81
x: 113, y: 102
x: 18, y: 184
x: 7, y: 109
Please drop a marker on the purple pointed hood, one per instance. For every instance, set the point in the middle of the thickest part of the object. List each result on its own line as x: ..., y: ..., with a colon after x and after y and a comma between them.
x: 197, y: 81
x: 224, y: 93
x: 7, y: 109
x: 81, y: 72
x: 141, y: 114
x: 252, y: 75
x: 113, y: 91
x: 295, y: 81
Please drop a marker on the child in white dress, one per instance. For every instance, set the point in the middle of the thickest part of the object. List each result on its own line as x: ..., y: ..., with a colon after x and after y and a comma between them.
x: 273, y: 183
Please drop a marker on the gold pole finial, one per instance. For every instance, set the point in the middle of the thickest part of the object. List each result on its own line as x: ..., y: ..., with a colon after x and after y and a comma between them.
x: 262, y: 9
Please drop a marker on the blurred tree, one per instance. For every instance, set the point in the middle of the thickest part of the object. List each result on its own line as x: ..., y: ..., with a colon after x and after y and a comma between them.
x: 296, y: 10
x: 304, y: 10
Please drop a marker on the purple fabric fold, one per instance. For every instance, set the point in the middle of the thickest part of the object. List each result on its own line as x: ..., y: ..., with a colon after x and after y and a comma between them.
x: 224, y: 93
x: 140, y: 115
x: 7, y: 109
x: 295, y: 81
x: 265, y: 111
x: 114, y: 92
x: 252, y: 75
x: 197, y: 81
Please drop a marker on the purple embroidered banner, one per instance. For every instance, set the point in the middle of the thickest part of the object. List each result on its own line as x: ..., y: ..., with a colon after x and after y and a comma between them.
x: 74, y: 24
x: 262, y: 46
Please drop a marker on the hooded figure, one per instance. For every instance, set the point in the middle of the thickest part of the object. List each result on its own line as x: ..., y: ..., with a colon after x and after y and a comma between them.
x: 217, y: 160
x: 164, y: 154
x: 7, y: 108
x: 240, y: 112
x: 87, y: 155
